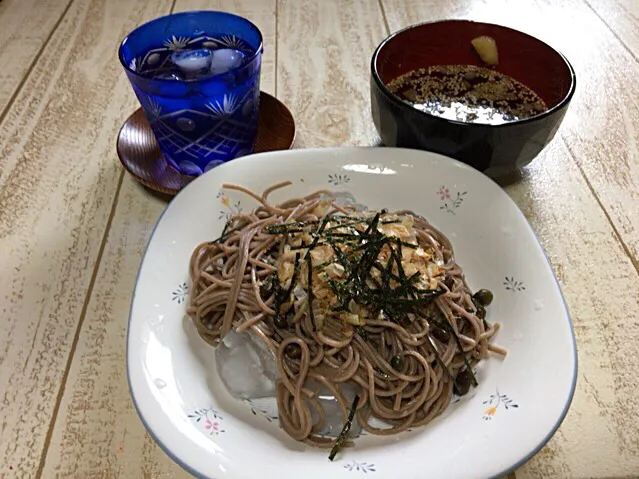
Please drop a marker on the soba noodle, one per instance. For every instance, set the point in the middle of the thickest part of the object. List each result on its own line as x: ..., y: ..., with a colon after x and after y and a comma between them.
x: 373, y: 300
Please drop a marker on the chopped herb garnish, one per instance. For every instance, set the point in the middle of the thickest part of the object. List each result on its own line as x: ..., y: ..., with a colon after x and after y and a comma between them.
x: 317, y: 236
x: 397, y: 362
x: 226, y: 232
x: 293, y: 351
x: 461, y: 386
x: 439, y: 359
x: 380, y: 286
x: 446, y: 325
x: 362, y: 332
x: 277, y: 292
x: 373, y: 224
x: 344, y: 221
x: 268, y: 285
x: 294, y: 278
x: 280, y: 321
x: 470, y: 371
x: 345, y: 429
x: 309, y: 292
x: 226, y: 227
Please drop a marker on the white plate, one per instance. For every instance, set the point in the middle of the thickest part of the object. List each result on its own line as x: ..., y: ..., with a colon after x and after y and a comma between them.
x: 517, y: 406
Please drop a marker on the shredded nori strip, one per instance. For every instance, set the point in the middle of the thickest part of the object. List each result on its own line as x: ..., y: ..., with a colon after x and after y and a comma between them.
x: 395, y: 302
x: 345, y: 429
x: 309, y: 292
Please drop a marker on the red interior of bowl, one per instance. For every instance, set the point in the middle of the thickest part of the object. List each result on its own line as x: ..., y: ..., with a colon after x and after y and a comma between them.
x: 521, y: 56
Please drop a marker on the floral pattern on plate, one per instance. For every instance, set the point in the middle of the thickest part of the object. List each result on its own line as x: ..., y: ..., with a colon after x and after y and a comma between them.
x: 337, y: 179
x: 260, y: 411
x: 180, y: 293
x: 450, y: 202
x: 228, y: 208
x: 364, y: 467
x: 210, y: 420
x: 511, y: 284
x: 494, y: 402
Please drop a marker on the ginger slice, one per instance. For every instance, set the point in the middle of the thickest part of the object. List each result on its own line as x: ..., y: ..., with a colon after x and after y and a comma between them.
x: 486, y: 48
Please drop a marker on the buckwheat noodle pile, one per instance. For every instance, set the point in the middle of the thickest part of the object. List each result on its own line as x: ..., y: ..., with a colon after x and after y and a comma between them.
x: 375, y: 300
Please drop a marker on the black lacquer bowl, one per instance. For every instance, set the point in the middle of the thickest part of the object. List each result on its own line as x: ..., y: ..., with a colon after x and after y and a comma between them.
x: 494, y: 149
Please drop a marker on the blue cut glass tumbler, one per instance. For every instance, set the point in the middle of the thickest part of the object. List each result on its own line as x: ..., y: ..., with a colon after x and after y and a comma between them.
x: 197, y: 77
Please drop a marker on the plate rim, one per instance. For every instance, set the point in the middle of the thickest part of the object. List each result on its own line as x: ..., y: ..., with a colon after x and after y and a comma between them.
x: 566, y: 407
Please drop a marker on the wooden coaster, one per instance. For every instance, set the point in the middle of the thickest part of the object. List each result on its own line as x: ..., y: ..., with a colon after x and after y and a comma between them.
x: 140, y: 153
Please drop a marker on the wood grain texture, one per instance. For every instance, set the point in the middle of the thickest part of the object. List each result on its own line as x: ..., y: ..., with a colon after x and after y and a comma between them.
x: 59, y: 174
x: 599, y: 437
x: 25, y: 25
x: 98, y: 432
x: 605, y: 144
x: 324, y: 51
x: 59, y: 178
x: 622, y: 17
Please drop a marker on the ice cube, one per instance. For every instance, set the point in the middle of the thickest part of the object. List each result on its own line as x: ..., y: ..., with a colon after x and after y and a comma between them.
x: 190, y: 168
x: 169, y: 76
x: 334, y: 419
x: 191, y: 62
x: 225, y: 59
x: 246, y: 366
x: 345, y: 198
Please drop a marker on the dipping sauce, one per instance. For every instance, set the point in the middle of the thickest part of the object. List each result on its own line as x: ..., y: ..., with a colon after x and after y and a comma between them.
x: 467, y: 93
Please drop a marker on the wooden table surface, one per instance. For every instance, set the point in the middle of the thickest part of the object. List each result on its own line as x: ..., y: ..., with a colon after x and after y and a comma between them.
x: 73, y: 225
